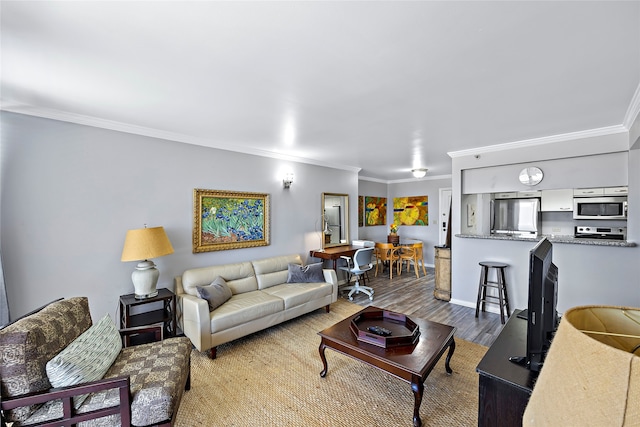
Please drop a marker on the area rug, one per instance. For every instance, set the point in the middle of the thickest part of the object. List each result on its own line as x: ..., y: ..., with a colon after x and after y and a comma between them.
x: 272, y: 378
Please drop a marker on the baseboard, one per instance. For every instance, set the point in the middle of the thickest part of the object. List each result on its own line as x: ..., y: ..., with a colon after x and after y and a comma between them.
x: 488, y: 308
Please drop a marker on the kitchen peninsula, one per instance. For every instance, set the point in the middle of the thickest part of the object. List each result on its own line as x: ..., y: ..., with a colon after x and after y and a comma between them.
x: 553, y: 239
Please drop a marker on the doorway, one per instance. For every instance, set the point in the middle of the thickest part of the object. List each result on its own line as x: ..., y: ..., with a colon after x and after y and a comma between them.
x: 443, y: 216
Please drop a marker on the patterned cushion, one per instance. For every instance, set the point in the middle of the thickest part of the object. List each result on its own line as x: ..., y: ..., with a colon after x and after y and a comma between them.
x: 28, y: 344
x: 158, y: 372
x: 87, y: 358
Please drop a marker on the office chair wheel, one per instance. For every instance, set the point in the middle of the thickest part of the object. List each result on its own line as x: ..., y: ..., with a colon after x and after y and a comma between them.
x: 371, y: 298
x: 350, y: 298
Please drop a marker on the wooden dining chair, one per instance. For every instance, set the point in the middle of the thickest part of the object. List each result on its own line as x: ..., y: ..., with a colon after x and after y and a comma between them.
x: 413, y: 254
x: 386, y: 253
x: 407, y: 255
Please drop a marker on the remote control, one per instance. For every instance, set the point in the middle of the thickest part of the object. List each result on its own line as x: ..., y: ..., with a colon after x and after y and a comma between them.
x: 379, y: 330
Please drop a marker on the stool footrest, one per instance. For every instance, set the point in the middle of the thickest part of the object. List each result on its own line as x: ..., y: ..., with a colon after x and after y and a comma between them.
x: 492, y: 284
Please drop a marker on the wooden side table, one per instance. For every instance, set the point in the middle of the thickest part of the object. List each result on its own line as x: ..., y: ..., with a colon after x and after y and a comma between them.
x: 165, y: 315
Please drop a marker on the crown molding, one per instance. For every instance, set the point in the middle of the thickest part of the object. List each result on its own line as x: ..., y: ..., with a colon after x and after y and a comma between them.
x: 155, y: 133
x: 552, y: 139
x: 633, y: 110
x: 398, y: 181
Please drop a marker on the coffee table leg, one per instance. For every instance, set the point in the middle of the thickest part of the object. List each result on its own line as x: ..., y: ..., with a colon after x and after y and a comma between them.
x: 324, y: 359
x: 452, y: 348
x: 418, y: 389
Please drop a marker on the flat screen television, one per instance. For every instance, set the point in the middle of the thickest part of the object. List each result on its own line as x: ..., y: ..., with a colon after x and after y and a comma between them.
x: 541, y: 313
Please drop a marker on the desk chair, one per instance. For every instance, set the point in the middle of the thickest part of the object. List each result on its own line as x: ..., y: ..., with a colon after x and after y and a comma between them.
x: 386, y: 252
x: 358, y: 265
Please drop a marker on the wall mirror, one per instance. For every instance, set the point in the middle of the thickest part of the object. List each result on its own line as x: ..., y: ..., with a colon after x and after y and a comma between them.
x: 335, y: 219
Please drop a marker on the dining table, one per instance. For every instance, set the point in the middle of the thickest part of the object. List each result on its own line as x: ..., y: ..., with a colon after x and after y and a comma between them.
x: 402, y: 242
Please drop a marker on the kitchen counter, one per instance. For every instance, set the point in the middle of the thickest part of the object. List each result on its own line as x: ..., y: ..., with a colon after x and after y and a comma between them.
x: 554, y: 239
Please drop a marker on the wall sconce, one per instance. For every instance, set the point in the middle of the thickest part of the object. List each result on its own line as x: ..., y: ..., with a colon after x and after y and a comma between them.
x: 419, y: 173
x: 288, y: 179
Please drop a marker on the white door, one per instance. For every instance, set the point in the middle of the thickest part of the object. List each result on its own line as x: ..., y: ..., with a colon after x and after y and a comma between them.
x: 443, y: 216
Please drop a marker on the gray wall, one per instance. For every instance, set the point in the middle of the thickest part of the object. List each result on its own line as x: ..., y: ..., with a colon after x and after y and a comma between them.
x: 70, y: 193
x: 587, y: 274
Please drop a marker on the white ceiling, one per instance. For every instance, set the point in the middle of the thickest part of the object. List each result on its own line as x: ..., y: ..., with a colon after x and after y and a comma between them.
x: 384, y: 86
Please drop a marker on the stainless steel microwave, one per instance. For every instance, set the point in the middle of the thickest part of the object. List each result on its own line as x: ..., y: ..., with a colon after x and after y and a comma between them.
x: 600, y: 208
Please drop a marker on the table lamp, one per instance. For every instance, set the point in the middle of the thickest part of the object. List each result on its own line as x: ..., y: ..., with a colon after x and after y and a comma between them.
x: 142, y: 244
x: 591, y: 375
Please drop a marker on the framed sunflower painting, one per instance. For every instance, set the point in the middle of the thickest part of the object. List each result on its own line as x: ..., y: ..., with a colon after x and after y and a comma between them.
x: 375, y: 210
x: 413, y: 210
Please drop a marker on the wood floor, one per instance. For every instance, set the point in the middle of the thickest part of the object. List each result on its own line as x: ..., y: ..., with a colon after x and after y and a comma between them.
x: 411, y: 296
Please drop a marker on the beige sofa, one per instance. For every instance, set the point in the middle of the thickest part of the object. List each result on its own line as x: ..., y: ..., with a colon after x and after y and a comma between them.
x: 261, y: 297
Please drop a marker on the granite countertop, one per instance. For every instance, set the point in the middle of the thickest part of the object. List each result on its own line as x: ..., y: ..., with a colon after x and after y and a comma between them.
x: 553, y: 239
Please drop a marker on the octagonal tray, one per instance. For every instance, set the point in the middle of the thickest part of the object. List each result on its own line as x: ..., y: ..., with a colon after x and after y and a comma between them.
x: 403, y: 330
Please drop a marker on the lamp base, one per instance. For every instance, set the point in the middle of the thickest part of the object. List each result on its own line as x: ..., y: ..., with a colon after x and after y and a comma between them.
x: 145, y: 278
x: 146, y: 296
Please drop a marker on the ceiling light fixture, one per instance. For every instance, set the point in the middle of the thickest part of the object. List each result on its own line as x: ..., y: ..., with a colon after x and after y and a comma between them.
x: 419, y: 173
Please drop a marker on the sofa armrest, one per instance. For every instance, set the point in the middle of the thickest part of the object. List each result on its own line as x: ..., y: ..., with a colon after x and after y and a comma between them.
x: 66, y: 394
x: 194, y: 320
x: 331, y: 277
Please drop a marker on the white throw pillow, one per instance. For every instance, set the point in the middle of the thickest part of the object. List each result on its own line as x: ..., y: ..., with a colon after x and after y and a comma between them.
x: 87, y: 358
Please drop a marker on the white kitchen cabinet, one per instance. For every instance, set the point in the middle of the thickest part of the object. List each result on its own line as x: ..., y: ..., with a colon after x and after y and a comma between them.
x: 557, y: 200
x: 588, y: 192
x: 528, y: 194
x: 508, y: 195
x: 616, y: 191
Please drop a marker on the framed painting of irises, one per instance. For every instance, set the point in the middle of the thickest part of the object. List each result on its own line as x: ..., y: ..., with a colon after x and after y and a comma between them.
x: 229, y: 220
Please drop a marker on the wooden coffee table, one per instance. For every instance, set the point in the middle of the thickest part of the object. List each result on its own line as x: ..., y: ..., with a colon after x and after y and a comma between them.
x: 411, y: 363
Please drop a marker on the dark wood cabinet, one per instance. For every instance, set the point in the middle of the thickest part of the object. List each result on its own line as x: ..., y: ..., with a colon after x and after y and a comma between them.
x: 504, y: 386
x: 162, y: 310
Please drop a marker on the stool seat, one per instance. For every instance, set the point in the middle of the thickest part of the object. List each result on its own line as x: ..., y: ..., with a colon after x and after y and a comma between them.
x: 493, y: 264
x: 499, y: 284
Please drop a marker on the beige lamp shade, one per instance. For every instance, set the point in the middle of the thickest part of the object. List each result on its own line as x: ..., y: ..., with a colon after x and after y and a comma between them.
x: 145, y: 243
x: 591, y: 375
x: 141, y: 245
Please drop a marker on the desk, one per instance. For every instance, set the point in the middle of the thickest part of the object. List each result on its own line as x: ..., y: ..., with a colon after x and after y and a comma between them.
x: 505, y: 387
x: 334, y: 253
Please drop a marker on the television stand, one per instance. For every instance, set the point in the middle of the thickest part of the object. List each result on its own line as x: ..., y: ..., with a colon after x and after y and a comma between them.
x: 505, y: 387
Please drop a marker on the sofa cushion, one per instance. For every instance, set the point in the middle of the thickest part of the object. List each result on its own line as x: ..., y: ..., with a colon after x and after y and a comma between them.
x: 216, y: 294
x: 274, y: 270
x: 240, y: 277
x: 28, y: 344
x: 87, y: 358
x: 295, y: 294
x: 243, y: 308
x: 311, y: 273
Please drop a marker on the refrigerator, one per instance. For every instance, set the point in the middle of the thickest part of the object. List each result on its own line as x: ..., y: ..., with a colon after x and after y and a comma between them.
x: 516, y: 216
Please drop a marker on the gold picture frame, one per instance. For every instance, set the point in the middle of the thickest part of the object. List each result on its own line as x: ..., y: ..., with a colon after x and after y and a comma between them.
x: 229, y: 220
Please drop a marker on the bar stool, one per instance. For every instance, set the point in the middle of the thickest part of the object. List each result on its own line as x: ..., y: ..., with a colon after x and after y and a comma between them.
x: 500, y: 284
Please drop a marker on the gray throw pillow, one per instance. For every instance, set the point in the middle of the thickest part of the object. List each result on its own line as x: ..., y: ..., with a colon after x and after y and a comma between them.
x: 311, y: 273
x: 216, y: 294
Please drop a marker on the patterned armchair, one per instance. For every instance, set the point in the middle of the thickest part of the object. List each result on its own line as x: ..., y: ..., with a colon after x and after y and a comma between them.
x: 143, y: 386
